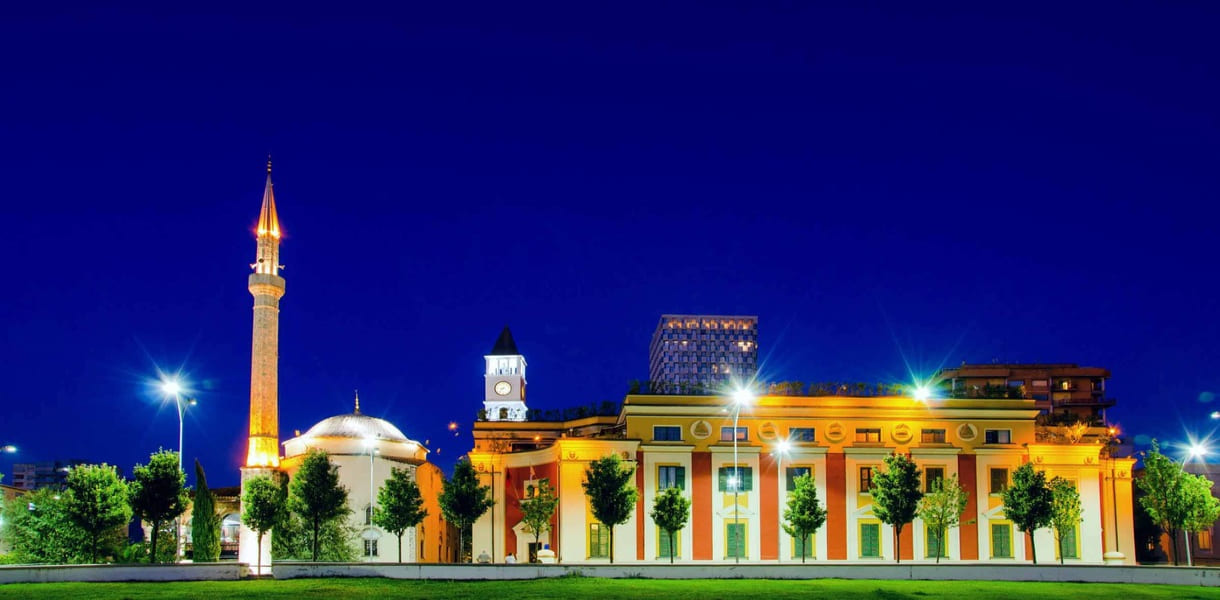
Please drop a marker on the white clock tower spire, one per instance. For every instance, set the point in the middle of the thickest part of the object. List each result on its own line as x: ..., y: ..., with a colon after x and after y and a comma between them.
x: 504, y: 381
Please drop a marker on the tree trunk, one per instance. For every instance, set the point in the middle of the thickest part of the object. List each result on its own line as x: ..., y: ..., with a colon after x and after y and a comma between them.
x: 940, y: 540
x: 461, y: 544
x: 611, y: 544
x: 1173, y: 537
x: 315, y: 540
x: 259, y: 560
x: 400, y: 548
x: 1059, y: 542
x: 804, y: 551
x: 93, y: 549
x: 898, y: 543
x: 1033, y: 550
x: 671, y: 547
x: 152, y: 554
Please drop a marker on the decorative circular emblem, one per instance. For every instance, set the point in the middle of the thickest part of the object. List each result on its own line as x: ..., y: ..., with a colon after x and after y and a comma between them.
x: 767, y: 431
x: 967, y: 431
x: 835, y: 432
x: 700, y: 430
x: 901, y: 433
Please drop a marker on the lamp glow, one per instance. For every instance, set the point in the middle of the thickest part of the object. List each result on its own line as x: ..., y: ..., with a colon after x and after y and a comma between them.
x: 1215, y: 414
x: 922, y: 393
x: 171, y: 387
x: 782, y: 447
x: 743, y: 396
x: 1197, y: 450
x: 9, y: 448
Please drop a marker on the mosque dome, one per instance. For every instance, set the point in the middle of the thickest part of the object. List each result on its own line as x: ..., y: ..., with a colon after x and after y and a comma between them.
x: 357, y: 426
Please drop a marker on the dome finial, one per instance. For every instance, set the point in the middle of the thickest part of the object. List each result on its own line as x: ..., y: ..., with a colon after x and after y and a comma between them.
x: 357, y: 401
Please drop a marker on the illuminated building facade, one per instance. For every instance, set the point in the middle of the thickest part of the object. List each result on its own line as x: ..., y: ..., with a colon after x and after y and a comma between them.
x: 695, y: 354
x: 53, y: 473
x: 1064, y: 391
x: 687, y: 441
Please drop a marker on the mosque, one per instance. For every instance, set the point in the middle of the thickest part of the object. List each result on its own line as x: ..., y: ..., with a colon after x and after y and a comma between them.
x: 366, y: 449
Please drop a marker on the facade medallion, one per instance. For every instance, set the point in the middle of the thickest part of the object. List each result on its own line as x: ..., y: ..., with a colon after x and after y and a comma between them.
x: 835, y: 432
x: 700, y: 430
x: 901, y: 433
x: 967, y: 431
x: 767, y: 432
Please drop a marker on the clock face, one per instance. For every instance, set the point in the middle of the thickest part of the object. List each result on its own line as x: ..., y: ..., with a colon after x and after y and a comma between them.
x: 503, y: 388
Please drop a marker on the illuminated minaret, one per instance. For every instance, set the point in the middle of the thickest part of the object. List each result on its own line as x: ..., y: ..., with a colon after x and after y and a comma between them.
x: 267, y: 287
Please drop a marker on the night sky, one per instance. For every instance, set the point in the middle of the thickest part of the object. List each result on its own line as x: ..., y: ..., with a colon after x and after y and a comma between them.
x: 890, y: 189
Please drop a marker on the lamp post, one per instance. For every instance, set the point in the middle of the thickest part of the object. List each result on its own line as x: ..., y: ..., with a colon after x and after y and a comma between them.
x: 781, y: 450
x: 741, y: 398
x: 173, y: 387
x: 1196, y: 450
x: 369, y: 534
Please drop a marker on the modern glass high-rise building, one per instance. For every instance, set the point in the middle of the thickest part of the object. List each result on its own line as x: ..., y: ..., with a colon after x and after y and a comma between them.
x: 697, y: 354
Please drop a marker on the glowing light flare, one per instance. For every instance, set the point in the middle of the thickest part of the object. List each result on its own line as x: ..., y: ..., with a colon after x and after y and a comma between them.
x: 452, y: 425
x: 743, y: 397
x: 9, y: 448
x: 1215, y: 414
x: 1198, y: 450
x: 782, y: 447
x: 171, y: 386
x: 922, y: 393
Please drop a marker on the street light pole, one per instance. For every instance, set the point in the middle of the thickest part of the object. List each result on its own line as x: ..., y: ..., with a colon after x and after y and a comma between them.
x: 172, y: 387
x: 1197, y: 450
x: 740, y: 397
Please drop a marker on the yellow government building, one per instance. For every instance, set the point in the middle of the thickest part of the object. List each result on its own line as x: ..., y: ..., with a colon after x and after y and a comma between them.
x: 841, y: 438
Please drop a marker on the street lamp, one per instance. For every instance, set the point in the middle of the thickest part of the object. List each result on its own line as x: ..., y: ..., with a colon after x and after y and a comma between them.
x: 781, y: 450
x: 9, y: 448
x: 741, y: 397
x: 369, y: 534
x: 173, y: 387
x: 1196, y: 450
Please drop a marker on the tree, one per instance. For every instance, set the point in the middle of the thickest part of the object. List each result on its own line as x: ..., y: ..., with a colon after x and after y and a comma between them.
x: 1027, y: 502
x: 1065, y: 510
x: 942, y: 509
x: 316, y: 496
x: 896, y: 495
x: 37, y: 529
x: 263, y: 506
x: 205, y: 523
x: 804, y: 514
x: 1201, y: 508
x: 335, y: 540
x: 670, y: 511
x: 463, y: 500
x: 538, y: 508
x: 399, y: 505
x: 1163, y: 499
x: 607, y: 483
x: 95, y: 501
x: 158, y: 493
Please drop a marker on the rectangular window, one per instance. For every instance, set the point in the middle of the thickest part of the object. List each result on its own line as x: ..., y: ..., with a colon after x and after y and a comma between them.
x: 791, y: 473
x: 726, y: 434
x: 670, y: 476
x: 866, y: 480
x: 868, y: 435
x: 599, y: 541
x: 931, y: 475
x: 936, y: 543
x: 735, y: 540
x: 1040, y: 383
x: 932, y: 436
x: 370, y: 547
x: 870, y: 540
x: 801, y: 434
x: 997, y: 436
x: 1068, y: 544
x: 1205, y: 539
x: 1001, y: 541
x: 744, y: 476
x: 666, y: 433
x: 999, y: 481
x: 664, y: 550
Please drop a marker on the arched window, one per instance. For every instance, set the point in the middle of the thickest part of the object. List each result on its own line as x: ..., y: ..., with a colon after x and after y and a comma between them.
x: 503, y: 414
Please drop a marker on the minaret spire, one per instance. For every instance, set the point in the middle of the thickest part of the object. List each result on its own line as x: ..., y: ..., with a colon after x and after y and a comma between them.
x: 267, y: 287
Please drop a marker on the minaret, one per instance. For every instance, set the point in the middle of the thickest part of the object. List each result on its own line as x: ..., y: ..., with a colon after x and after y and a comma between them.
x: 267, y: 287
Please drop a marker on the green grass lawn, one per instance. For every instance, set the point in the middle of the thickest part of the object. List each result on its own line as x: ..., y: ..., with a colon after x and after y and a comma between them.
x: 574, y: 588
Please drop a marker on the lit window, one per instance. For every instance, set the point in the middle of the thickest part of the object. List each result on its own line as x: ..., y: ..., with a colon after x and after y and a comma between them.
x: 868, y: 435
x: 791, y: 473
x: 671, y: 476
x: 726, y: 434
x: 932, y: 436
x: 999, y: 481
x: 866, y: 480
x: 997, y: 436
x: 801, y: 434
x: 667, y: 433
x: 741, y: 477
x: 931, y: 476
x: 1205, y: 539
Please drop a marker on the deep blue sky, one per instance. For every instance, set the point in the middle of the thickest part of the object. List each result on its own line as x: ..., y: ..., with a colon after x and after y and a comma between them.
x: 879, y: 184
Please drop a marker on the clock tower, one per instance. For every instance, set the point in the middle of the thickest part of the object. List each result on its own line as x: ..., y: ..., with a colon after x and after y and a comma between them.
x: 504, y: 381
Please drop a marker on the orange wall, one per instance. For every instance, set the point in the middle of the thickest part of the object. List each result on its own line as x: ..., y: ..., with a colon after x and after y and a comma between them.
x: 906, y: 540
x: 968, y: 531
x: 701, y: 508
x: 437, y: 540
x: 836, y: 506
x: 768, y: 495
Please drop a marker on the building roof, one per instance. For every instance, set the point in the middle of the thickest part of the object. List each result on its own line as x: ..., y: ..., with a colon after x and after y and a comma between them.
x: 356, y: 426
x: 505, y: 346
